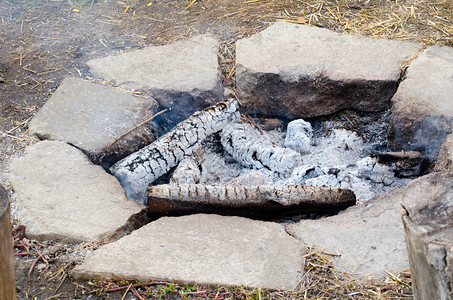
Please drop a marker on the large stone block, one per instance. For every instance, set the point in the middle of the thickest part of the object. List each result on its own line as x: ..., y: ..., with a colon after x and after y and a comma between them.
x: 62, y: 196
x: 422, y: 112
x: 202, y: 249
x: 298, y: 71
x: 91, y: 116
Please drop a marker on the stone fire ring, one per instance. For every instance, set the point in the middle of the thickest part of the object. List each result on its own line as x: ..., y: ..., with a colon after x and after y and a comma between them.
x: 287, y: 70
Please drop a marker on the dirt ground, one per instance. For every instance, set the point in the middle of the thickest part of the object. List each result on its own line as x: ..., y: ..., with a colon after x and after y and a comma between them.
x: 44, y: 41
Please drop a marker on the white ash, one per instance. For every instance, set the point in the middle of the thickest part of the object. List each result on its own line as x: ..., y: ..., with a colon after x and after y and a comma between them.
x: 252, y: 177
x: 299, y: 136
x: 370, y: 169
x: 340, y: 149
x: 215, y: 168
x: 337, y: 160
x: 304, y: 172
x: 343, y: 179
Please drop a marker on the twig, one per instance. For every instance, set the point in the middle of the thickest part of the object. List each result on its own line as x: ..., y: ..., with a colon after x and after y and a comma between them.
x: 43, y: 258
x: 40, y: 256
x: 58, y: 296
x: 125, y: 293
x: 394, y: 277
x: 191, y: 3
x: 29, y: 70
x: 137, y: 295
x: 47, y: 72
x: 33, y: 265
x: 12, y: 136
x: 330, y: 254
x: 21, y: 245
x: 132, y: 129
x: 20, y: 125
x: 61, y: 282
x: 133, y: 286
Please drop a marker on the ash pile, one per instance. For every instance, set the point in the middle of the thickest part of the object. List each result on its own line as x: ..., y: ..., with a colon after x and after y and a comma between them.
x: 219, y: 162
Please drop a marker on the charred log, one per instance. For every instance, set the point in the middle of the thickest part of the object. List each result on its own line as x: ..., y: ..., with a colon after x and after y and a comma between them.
x: 406, y: 164
x: 187, y: 172
x: 257, y: 202
x: 253, y: 148
x: 141, y: 168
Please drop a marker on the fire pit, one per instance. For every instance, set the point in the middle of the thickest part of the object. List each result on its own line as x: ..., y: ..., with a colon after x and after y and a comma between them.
x: 306, y: 138
x: 218, y: 163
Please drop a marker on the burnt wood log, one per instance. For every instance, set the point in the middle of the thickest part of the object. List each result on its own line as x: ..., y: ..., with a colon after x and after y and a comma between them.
x: 252, y: 147
x: 141, y: 168
x: 427, y: 210
x: 405, y: 163
x: 7, y: 279
x: 257, y: 202
x: 188, y: 171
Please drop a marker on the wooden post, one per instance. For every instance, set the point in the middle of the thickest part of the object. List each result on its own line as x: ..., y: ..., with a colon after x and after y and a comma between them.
x: 7, y: 278
x: 427, y: 213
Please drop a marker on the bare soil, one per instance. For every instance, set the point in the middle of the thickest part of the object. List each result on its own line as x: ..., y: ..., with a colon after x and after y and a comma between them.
x: 44, y: 41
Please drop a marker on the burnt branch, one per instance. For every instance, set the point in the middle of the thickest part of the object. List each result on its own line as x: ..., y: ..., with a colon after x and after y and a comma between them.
x: 253, y: 148
x: 141, y: 168
x: 259, y: 202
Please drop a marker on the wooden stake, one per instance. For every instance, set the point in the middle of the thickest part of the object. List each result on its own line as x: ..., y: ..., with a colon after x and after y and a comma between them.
x: 426, y: 210
x: 7, y: 279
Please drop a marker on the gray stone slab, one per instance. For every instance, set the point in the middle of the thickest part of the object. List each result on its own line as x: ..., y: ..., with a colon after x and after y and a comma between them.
x: 184, y: 75
x: 297, y: 71
x: 181, y: 66
x: 203, y: 249
x: 91, y: 116
x: 62, y: 196
x: 422, y: 111
x: 369, y: 237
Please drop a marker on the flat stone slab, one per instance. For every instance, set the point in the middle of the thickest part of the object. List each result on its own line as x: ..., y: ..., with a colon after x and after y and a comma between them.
x: 298, y: 71
x: 203, y: 249
x: 180, y: 66
x: 62, y: 196
x: 369, y: 237
x: 184, y: 75
x: 91, y: 116
x: 422, y: 111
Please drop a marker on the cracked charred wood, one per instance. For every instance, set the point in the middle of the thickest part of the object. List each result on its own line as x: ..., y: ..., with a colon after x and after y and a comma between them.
x: 405, y: 164
x: 187, y: 172
x: 141, y: 168
x: 253, y: 148
x: 258, y: 202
